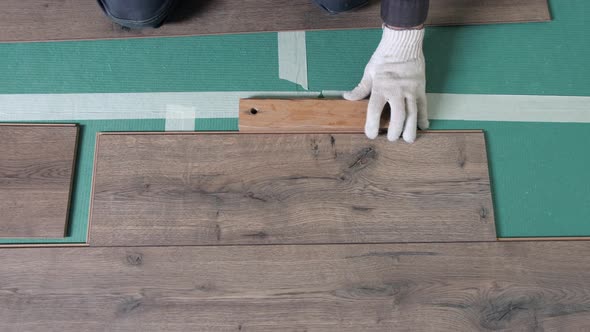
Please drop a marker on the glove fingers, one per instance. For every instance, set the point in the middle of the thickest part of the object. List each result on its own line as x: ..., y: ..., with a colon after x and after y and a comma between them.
x: 409, y: 134
x: 423, y: 122
x: 398, y: 114
x: 361, y: 91
x: 374, y: 110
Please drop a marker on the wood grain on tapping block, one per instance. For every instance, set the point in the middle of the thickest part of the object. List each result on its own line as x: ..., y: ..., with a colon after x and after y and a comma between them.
x: 532, y: 286
x: 303, y: 115
x: 204, y: 189
x: 73, y: 19
x: 36, y: 168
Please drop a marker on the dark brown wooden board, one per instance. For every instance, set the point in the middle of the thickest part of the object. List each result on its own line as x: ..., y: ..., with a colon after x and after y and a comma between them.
x: 34, y: 20
x: 493, y: 286
x: 36, y: 169
x: 207, y: 189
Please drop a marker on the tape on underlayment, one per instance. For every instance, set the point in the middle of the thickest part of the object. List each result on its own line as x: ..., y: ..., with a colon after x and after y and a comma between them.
x: 520, y: 108
x: 180, y: 118
x: 293, y: 57
x: 120, y: 106
x: 113, y: 106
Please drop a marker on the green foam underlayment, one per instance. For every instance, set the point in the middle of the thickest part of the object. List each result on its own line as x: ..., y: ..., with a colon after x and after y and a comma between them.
x: 206, y: 63
x: 539, y: 174
x: 540, y: 177
x: 548, y: 58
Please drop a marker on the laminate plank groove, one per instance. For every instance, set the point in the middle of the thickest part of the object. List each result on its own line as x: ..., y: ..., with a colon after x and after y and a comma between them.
x: 493, y: 286
x: 36, y: 169
x: 213, y: 189
x: 33, y: 20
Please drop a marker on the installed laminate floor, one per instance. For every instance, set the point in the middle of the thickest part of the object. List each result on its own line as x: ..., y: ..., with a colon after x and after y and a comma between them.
x: 494, y: 286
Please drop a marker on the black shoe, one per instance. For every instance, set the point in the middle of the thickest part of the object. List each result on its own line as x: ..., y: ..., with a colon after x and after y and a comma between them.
x: 137, y: 14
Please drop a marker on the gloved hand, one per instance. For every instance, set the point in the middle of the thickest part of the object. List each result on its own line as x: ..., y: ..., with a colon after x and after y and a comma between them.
x: 395, y: 75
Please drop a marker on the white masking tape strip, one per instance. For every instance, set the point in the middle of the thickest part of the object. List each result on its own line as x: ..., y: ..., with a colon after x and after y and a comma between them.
x: 332, y: 93
x: 518, y: 108
x: 522, y: 108
x: 113, y: 106
x: 293, y: 57
x: 117, y: 106
x: 180, y: 118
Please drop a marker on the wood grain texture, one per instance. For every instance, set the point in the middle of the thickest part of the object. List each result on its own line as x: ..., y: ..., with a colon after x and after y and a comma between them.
x: 304, y: 115
x: 494, y: 286
x: 36, y: 169
x: 34, y: 20
x: 205, y: 189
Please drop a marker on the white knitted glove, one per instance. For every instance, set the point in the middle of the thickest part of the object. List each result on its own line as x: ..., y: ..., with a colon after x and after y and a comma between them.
x: 395, y: 75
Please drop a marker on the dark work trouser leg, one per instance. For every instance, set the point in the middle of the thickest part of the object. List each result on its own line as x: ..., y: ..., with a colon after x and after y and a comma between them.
x: 137, y: 14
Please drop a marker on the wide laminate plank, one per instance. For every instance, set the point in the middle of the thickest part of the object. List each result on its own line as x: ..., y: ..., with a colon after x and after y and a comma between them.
x: 34, y: 20
x: 207, y: 189
x: 493, y: 286
x: 36, y: 168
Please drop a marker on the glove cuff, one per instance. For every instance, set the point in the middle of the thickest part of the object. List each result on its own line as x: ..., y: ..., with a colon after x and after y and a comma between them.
x: 400, y: 45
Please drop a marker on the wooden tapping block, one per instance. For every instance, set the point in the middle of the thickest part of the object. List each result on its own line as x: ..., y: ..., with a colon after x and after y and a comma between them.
x: 249, y: 188
x: 74, y: 19
x: 304, y: 115
x: 461, y: 287
x: 36, y: 170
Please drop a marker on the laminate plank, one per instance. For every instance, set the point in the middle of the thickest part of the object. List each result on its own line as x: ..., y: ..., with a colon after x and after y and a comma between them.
x: 36, y: 169
x: 304, y: 115
x: 207, y: 189
x: 33, y: 20
x: 493, y: 286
